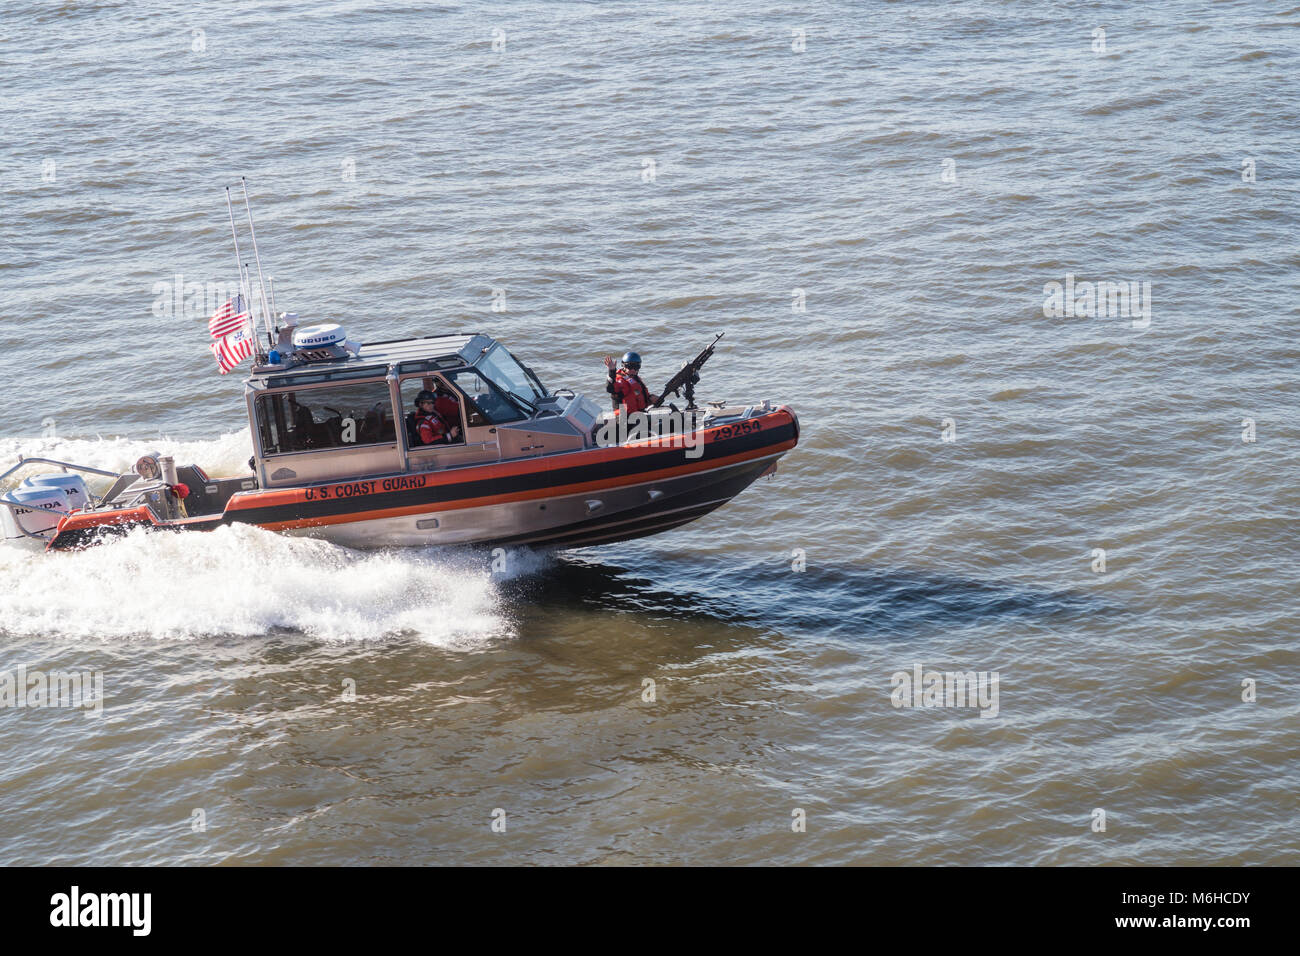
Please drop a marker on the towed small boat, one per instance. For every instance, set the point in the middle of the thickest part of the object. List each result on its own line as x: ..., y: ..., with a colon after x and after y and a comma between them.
x: 336, y: 454
x: 334, y: 457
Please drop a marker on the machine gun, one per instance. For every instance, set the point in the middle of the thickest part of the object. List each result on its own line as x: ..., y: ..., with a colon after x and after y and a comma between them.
x: 687, y: 377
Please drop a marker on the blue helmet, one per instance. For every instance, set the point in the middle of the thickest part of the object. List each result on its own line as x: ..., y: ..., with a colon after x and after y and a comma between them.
x: 631, y: 360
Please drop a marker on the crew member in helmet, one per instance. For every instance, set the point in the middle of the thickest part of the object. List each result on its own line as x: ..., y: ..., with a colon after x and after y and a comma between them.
x: 625, y: 386
x: 427, y: 425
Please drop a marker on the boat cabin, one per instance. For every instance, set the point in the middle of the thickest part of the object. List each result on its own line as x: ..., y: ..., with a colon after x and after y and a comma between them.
x: 325, y: 409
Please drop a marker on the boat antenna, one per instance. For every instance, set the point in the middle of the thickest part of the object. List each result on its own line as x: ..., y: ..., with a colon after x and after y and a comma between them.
x: 246, y: 277
x: 245, y: 287
x: 239, y: 267
x: 261, y: 283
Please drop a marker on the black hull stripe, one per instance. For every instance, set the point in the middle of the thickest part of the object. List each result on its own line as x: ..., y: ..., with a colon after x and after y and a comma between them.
x: 637, y: 529
x: 99, y: 533
x: 491, y: 487
x: 687, y: 506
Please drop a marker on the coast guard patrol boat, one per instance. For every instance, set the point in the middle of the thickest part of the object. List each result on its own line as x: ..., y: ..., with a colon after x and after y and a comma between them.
x: 335, y: 456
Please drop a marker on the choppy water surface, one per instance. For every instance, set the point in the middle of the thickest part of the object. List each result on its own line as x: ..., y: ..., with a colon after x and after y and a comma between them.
x: 639, y: 176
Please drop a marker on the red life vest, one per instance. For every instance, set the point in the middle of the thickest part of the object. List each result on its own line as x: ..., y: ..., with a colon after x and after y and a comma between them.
x: 630, y: 391
x: 430, y: 428
x: 449, y: 409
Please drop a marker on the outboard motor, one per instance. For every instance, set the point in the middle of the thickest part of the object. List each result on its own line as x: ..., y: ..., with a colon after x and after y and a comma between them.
x: 73, y: 487
x: 39, y: 515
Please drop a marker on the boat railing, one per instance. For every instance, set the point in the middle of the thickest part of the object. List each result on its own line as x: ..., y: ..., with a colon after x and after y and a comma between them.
x: 64, y: 465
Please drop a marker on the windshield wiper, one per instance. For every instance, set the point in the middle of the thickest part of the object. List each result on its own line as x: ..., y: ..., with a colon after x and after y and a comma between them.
x: 541, y: 389
x: 531, y: 407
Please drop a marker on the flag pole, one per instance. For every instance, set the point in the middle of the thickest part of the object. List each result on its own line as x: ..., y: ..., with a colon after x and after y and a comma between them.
x: 254, y: 307
x: 244, y: 288
x: 233, y: 234
x: 261, y: 283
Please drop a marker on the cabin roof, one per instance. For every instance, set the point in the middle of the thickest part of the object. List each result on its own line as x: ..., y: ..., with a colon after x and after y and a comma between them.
x: 462, y: 346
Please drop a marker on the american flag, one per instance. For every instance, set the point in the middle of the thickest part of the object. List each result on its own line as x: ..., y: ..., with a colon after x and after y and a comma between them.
x: 233, y: 348
x: 228, y: 318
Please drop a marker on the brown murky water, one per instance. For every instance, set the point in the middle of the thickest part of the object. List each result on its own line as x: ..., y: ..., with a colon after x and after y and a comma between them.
x: 641, y: 178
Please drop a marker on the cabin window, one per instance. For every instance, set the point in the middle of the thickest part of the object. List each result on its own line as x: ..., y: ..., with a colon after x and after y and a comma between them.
x: 510, y: 376
x: 492, y: 407
x: 312, y: 419
x: 480, y: 404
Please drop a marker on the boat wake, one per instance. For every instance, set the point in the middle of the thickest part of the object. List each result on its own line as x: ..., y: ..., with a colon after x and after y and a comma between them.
x: 243, y: 581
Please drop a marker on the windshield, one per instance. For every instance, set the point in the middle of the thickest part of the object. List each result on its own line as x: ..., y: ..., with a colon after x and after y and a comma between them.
x: 510, y: 376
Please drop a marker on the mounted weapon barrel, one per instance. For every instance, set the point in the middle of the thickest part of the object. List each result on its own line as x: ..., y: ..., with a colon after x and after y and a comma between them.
x: 687, y: 377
